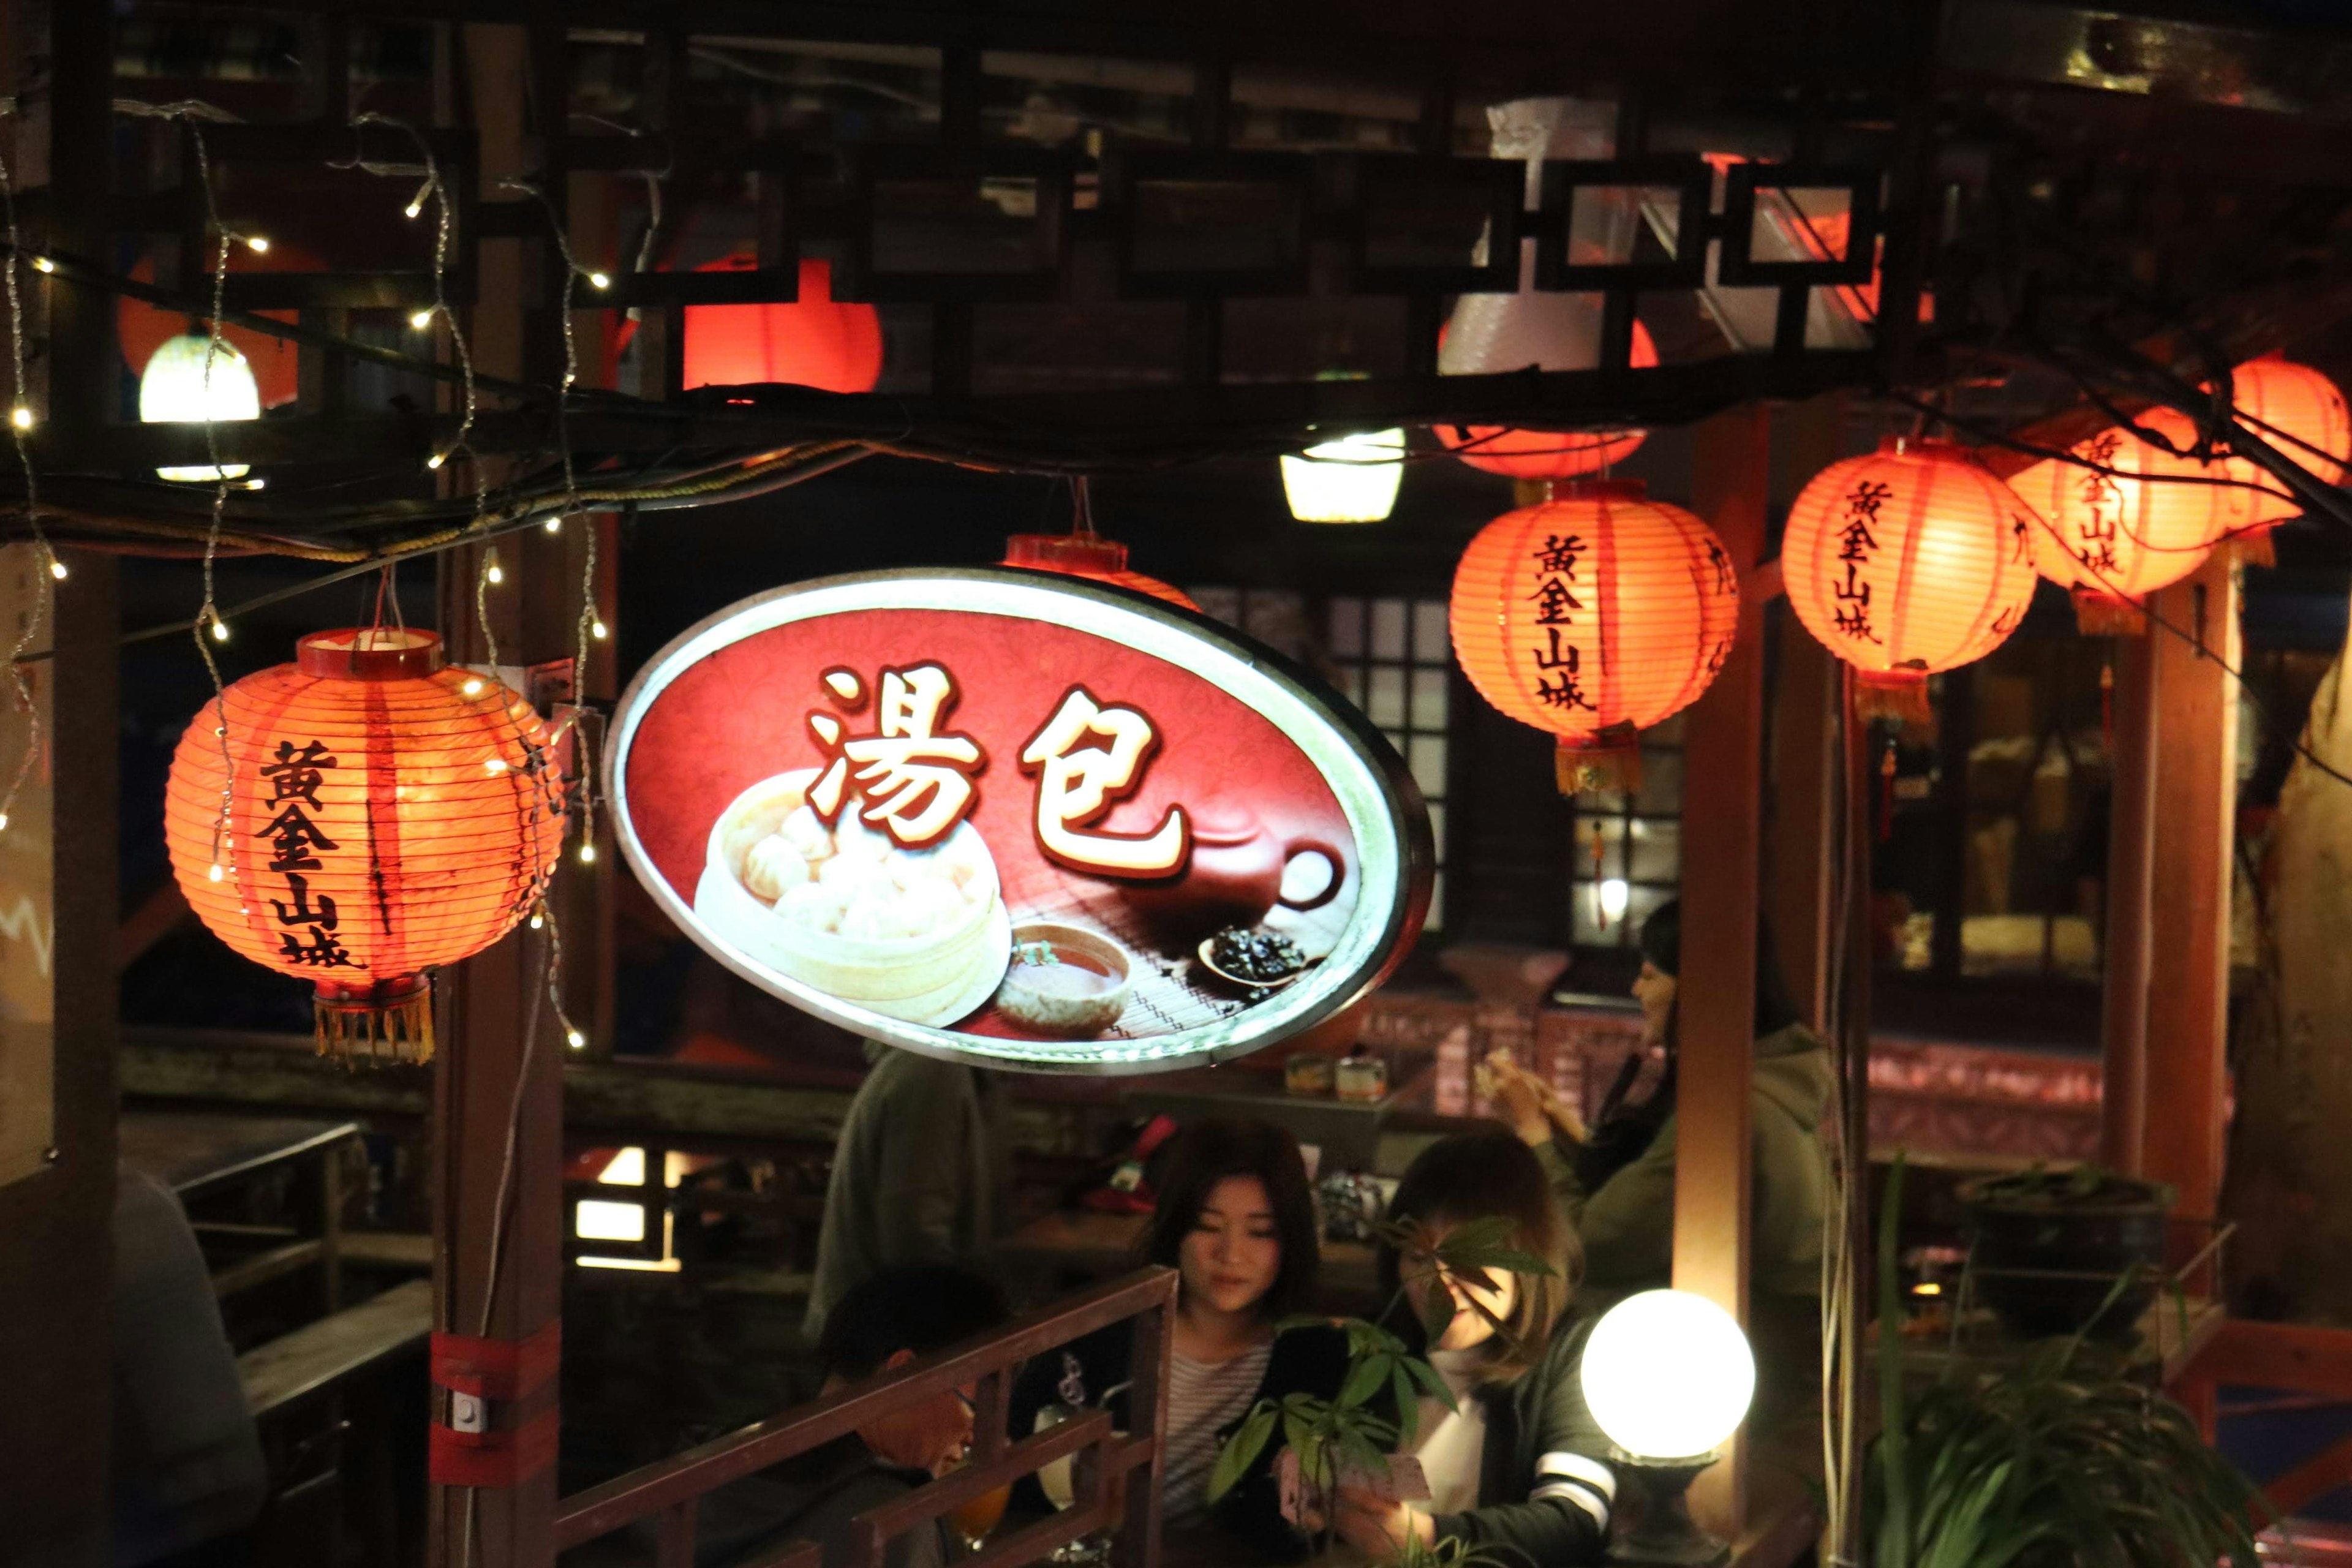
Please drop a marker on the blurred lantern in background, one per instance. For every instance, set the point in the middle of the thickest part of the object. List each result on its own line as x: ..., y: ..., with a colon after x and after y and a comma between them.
x: 2300, y: 412
x: 1543, y: 454
x: 274, y: 362
x: 2129, y: 517
x: 383, y: 815
x: 1091, y: 556
x: 187, y: 380
x: 1351, y: 479
x: 812, y: 342
x: 1906, y: 563
x: 1591, y: 615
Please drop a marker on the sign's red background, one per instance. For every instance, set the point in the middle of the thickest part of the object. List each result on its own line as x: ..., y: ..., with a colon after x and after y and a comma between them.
x: 741, y: 716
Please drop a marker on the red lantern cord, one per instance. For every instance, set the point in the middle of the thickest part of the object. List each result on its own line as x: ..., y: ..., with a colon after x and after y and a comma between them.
x: 1600, y: 904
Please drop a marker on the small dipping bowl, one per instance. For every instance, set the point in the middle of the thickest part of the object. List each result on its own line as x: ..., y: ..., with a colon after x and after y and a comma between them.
x: 1209, y: 963
x: 1082, y: 993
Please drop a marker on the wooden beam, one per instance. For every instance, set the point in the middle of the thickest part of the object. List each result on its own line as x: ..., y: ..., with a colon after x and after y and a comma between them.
x: 2196, y: 801
x: 2131, y: 870
x: 1802, y: 836
x: 1722, y: 832
x: 2296, y: 1357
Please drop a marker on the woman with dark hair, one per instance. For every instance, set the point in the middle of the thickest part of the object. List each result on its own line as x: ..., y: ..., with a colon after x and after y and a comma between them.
x: 1235, y: 1219
x: 1515, y: 1467
x: 1616, y: 1184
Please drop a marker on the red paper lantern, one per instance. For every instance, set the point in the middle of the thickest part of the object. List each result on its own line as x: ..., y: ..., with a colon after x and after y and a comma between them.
x: 1906, y: 563
x: 386, y: 816
x: 1091, y: 556
x: 2300, y: 412
x: 276, y: 362
x: 2113, y: 538
x: 1550, y: 454
x: 1592, y: 614
x: 814, y: 341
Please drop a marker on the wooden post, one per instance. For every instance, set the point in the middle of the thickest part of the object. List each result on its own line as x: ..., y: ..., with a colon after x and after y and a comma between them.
x: 497, y: 1148
x: 2131, y: 864
x: 2196, y: 801
x: 1801, y: 843
x: 1722, y: 830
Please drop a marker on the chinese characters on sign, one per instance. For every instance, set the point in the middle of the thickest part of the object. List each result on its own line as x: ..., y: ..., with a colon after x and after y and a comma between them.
x: 308, y: 922
x: 1558, y: 658
x: 1857, y: 548
x: 917, y: 782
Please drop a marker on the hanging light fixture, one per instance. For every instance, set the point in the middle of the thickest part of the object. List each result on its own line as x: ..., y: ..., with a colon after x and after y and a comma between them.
x: 1083, y: 553
x: 276, y: 362
x: 178, y: 387
x: 815, y: 340
x: 2136, y: 518
x: 1352, y: 480
x: 379, y: 815
x: 1908, y: 561
x: 1592, y: 614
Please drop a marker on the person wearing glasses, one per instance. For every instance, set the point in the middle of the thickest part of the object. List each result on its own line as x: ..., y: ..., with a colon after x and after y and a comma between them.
x: 880, y: 1325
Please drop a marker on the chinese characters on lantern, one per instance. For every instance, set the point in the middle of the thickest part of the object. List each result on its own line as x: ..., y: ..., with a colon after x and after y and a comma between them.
x: 2102, y: 506
x: 1559, y: 660
x: 917, y: 781
x: 1857, y: 548
x: 308, y: 920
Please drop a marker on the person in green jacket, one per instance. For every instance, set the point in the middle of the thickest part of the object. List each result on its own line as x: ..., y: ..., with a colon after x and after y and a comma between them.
x: 1616, y: 1182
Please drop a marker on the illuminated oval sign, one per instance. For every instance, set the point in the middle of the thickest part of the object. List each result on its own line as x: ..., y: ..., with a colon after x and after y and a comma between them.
x: 1019, y: 820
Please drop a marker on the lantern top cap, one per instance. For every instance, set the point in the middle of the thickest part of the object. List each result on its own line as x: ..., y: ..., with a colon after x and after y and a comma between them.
x: 1921, y: 447
x: 368, y: 653
x: 1086, y: 553
x: 1600, y: 489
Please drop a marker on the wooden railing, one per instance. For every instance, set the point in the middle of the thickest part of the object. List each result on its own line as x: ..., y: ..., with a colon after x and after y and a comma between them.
x: 2298, y: 1358
x: 669, y: 1492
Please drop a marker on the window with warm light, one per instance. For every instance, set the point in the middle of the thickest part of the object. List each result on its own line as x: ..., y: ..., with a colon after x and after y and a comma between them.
x: 1628, y: 855
x: 1393, y: 657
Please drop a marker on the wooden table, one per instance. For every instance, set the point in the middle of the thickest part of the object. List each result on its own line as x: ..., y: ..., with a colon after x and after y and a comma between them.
x: 200, y: 1156
x: 1071, y: 1246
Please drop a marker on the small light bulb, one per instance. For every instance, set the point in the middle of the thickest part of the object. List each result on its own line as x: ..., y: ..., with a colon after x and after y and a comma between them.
x: 43, y: 264
x: 215, y: 873
x: 3, y: 822
x: 575, y: 1039
x: 494, y: 765
x: 414, y: 209
x: 56, y: 569
x: 220, y: 630
x: 536, y: 920
x: 596, y: 629
x: 435, y: 461
x: 255, y: 484
x: 422, y: 320
x: 555, y: 525
x: 474, y: 687
x: 23, y: 418
x: 587, y: 854
x: 497, y: 573
x: 598, y: 280
x: 258, y: 246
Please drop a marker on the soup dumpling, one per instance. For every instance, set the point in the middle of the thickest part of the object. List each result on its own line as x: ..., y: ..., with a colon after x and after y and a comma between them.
x: 773, y: 868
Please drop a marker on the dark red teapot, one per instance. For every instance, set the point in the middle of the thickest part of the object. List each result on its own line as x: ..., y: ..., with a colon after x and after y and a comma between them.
x: 1234, y: 878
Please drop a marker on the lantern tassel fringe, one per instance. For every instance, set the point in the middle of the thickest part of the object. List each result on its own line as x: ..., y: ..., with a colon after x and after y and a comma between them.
x: 2106, y: 616
x: 1599, y: 767
x: 356, y: 1029
x: 1899, y: 696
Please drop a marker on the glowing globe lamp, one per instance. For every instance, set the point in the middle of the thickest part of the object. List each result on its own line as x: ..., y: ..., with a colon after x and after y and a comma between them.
x: 360, y: 817
x: 178, y: 387
x: 1091, y: 556
x: 276, y: 362
x: 815, y: 340
x: 1906, y: 563
x: 1351, y: 479
x: 1667, y: 1376
x: 1593, y: 615
x: 2138, y: 518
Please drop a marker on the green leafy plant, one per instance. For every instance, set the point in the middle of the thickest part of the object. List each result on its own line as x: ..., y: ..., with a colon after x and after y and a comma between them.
x: 1351, y: 1431
x: 2062, y: 1459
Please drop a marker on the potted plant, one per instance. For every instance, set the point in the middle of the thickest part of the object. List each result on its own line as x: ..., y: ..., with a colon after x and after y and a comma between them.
x: 2048, y: 1248
x: 2062, y: 1459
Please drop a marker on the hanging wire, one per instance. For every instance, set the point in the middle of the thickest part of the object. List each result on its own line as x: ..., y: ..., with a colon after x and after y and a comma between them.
x: 46, y: 568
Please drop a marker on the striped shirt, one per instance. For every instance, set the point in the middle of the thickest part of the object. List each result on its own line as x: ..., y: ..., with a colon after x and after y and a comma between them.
x: 1204, y: 1398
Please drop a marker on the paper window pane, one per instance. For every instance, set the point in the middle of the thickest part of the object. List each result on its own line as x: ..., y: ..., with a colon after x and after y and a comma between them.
x: 1436, y: 903
x: 1385, y: 702
x: 1432, y: 643
x: 1428, y: 759
x: 1351, y: 684
x: 1662, y: 781
x: 1388, y: 629
x: 1657, y: 850
x: 1347, y: 628
x: 1395, y: 738
x: 1437, y: 828
x: 1429, y: 699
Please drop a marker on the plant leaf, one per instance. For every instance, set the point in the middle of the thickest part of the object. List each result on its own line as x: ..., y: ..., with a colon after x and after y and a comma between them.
x: 1365, y: 1378
x: 1242, y: 1449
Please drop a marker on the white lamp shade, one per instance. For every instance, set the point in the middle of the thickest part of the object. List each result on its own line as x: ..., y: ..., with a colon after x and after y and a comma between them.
x: 174, y: 389
x: 1352, y: 480
x: 1667, y: 1375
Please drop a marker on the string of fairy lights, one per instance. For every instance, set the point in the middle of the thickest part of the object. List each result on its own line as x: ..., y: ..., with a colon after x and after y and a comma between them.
x: 47, y: 570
